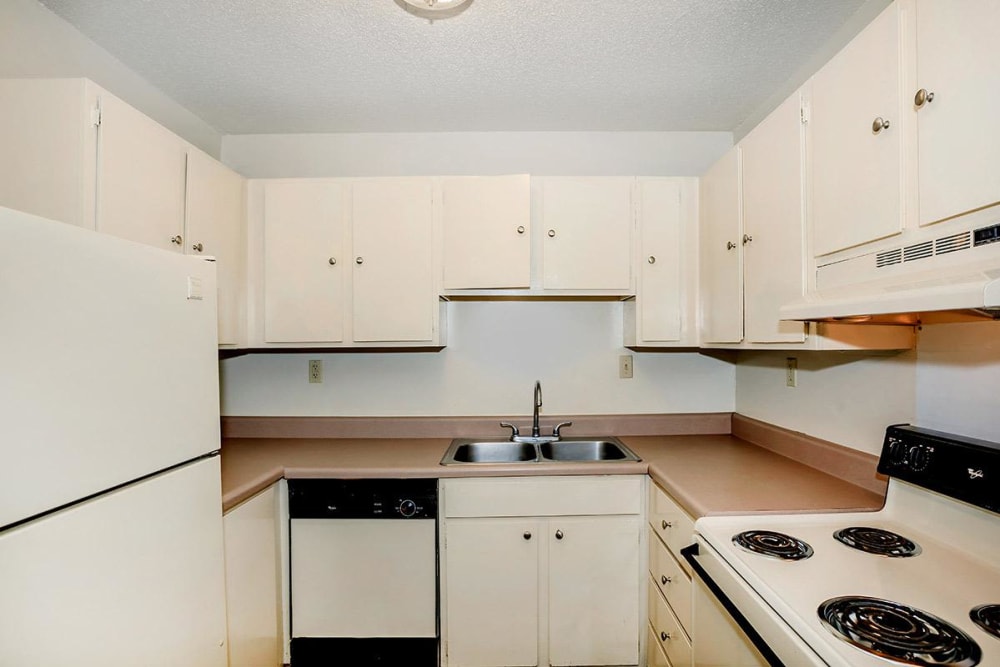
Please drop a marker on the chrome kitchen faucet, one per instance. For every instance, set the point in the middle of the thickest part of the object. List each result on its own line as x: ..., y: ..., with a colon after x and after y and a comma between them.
x: 536, y: 436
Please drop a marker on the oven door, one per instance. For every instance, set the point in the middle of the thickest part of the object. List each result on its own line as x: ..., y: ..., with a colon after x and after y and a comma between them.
x: 735, y: 625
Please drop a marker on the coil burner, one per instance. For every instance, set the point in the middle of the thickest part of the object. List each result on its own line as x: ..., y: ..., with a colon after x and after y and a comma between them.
x: 987, y: 617
x: 877, y: 541
x: 897, y: 632
x: 774, y: 545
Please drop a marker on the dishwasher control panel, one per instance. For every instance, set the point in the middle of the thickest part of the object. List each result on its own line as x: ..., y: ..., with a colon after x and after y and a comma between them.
x: 362, y: 498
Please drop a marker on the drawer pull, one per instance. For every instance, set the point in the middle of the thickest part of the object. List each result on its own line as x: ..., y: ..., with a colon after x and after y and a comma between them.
x: 666, y: 524
x: 559, y: 534
x: 665, y: 579
x: 664, y: 636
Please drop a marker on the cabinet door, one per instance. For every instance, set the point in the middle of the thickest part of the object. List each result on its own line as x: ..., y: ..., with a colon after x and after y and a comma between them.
x: 49, y: 140
x: 303, y: 262
x: 213, y: 226
x: 140, y: 178
x: 856, y: 170
x: 487, y: 236
x: 959, y: 139
x: 773, y: 275
x: 721, y: 254
x: 660, y: 289
x: 253, y: 598
x: 393, y: 281
x: 587, y: 233
x: 594, y: 590
x: 491, y: 591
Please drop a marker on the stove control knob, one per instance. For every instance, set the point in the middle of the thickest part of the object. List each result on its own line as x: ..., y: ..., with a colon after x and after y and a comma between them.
x: 897, y: 451
x: 407, y: 508
x: 919, y: 458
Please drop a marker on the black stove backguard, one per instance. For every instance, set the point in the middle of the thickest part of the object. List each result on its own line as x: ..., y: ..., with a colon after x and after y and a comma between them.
x: 967, y: 469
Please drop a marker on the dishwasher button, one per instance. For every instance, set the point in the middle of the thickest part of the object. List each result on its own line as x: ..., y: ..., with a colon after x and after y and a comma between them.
x: 407, y: 508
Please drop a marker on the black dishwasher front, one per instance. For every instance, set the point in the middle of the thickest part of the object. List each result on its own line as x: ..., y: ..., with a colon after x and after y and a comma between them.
x: 363, y: 561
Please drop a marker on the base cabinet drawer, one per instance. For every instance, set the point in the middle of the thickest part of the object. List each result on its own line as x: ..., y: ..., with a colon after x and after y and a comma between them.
x: 672, y: 581
x: 671, y: 523
x: 667, y: 629
x: 655, y: 657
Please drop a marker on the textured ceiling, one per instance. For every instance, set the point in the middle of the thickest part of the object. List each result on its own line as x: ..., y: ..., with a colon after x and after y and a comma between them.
x: 277, y: 66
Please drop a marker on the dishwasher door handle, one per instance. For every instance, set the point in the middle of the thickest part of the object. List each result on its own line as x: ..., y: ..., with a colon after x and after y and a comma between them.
x: 690, y: 554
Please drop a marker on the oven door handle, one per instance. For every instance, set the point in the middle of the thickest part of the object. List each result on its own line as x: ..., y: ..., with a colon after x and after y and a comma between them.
x: 690, y: 553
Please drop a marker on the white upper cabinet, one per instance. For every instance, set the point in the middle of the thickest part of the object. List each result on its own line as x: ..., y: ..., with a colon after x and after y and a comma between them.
x: 213, y: 227
x: 854, y: 140
x: 587, y: 233
x: 486, y: 231
x: 664, y: 311
x: 304, y: 261
x: 721, y: 286
x: 954, y: 97
x: 773, y: 273
x: 141, y: 177
x: 393, y: 260
x: 48, y: 131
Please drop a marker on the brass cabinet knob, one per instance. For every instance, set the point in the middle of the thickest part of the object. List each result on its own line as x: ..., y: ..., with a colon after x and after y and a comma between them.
x: 922, y: 98
x: 747, y: 239
x: 652, y: 259
x: 359, y: 260
x: 176, y: 240
x: 730, y: 245
x: 197, y: 247
x: 559, y: 534
x: 552, y: 233
x: 520, y: 229
x: 333, y: 261
x: 879, y: 124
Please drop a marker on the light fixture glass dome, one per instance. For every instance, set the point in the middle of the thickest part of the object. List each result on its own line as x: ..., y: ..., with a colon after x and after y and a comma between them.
x: 434, y: 9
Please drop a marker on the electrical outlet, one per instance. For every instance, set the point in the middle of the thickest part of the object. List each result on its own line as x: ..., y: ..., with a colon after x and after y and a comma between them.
x: 625, y: 366
x: 315, y: 371
x: 791, y: 371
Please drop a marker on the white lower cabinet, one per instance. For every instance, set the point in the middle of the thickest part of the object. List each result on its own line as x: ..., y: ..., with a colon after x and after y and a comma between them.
x: 253, y: 591
x: 552, y: 588
x: 670, y: 587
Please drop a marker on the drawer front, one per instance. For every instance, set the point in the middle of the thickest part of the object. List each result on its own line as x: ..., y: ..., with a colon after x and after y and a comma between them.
x: 542, y: 496
x: 655, y: 657
x: 673, y: 582
x: 671, y: 523
x: 668, y: 630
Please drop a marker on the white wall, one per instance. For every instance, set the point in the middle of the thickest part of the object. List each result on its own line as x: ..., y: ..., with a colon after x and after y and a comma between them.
x: 475, y: 153
x: 496, y: 351
x: 34, y: 42
x: 958, y: 379
x: 951, y: 382
x: 846, y: 397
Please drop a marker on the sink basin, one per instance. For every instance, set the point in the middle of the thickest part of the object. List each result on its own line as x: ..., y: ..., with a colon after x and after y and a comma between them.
x: 576, y: 450
x: 586, y: 450
x: 491, y: 452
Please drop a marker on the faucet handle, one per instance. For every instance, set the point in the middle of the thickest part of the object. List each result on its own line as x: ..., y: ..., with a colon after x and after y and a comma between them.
x: 555, y: 429
x: 513, y: 429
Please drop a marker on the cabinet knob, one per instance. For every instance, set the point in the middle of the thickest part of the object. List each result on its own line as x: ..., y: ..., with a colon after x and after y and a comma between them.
x: 520, y: 229
x: 664, y: 636
x: 922, y: 97
x: 652, y: 259
x: 333, y: 261
x: 359, y: 260
x: 527, y: 534
x: 197, y: 247
x: 879, y: 124
x: 559, y: 534
x: 730, y: 245
x: 552, y: 233
x: 664, y: 579
x: 747, y: 239
x: 666, y: 524
x: 176, y: 240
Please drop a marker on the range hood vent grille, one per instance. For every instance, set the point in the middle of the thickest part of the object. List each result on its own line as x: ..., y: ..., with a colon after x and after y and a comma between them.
x: 918, y: 251
x: 925, y: 249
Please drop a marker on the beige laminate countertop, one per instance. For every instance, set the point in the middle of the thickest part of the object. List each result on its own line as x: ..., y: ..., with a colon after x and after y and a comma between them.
x: 706, y: 474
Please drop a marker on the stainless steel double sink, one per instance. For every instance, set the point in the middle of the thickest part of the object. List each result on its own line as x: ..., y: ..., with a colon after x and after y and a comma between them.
x: 464, y: 451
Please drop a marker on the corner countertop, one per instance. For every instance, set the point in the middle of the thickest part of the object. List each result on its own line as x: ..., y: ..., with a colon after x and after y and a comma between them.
x: 706, y: 474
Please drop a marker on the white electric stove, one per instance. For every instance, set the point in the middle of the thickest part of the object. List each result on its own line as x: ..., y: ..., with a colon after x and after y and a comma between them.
x: 916, y: 583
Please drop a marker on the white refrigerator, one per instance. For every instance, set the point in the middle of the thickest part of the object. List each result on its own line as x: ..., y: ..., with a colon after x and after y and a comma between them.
x: 111, y: 547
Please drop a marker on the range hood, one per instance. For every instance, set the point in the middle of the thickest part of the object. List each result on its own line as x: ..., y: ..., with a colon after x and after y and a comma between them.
x: 951, y: 278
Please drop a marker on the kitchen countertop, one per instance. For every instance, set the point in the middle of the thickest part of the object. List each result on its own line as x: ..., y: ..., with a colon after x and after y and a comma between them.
x: 706, y: 474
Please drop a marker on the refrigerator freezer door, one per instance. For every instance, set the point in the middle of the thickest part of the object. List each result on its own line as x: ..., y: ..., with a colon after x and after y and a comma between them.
x: 133, y: 577
x: 109, y: 369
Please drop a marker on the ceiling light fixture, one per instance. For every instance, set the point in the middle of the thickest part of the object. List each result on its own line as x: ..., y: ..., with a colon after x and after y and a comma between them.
x: 433, y: 10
